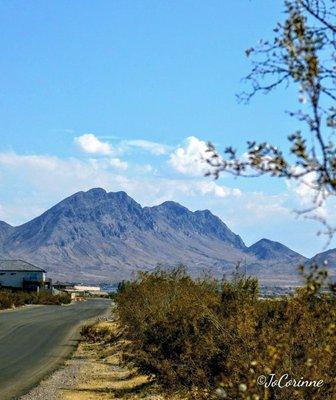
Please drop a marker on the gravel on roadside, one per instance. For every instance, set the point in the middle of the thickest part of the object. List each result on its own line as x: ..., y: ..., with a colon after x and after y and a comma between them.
x: 65, y: 377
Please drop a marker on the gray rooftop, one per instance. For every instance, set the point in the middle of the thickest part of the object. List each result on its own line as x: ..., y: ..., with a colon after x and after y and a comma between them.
x: 18, y: 265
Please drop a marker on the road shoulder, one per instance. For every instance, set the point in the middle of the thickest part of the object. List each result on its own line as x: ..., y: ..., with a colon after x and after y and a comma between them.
x: 96, y: 372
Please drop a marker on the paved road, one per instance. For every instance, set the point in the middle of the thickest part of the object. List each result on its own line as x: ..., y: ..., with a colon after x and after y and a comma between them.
x: 34, y: 340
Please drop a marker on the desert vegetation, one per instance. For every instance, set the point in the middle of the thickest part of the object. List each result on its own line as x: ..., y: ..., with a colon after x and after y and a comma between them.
x: 99, y: 333
x: 210, y: 339
x: 11, y: 299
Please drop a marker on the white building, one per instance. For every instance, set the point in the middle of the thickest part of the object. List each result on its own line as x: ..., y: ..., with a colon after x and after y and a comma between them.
x: 22, y: 275
x: 82, y: 288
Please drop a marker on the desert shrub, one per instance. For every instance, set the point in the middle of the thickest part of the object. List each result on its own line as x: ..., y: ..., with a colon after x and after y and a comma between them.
x: 49, y: 299
x: 10, y: 299
x: 199, y: 335
x: 6, y: 299
x: 99, y: 332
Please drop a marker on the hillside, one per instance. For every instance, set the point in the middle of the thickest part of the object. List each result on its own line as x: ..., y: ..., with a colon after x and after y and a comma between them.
x: 327, y: 257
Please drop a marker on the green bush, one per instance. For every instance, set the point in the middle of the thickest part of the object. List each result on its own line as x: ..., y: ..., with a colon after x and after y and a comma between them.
x: 199, y: 335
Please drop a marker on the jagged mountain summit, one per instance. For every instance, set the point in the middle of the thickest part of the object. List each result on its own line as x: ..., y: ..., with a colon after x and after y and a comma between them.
x: 100, y: 236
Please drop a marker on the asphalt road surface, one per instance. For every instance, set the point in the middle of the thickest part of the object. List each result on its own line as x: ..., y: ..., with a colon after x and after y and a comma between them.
x: 35, y: 340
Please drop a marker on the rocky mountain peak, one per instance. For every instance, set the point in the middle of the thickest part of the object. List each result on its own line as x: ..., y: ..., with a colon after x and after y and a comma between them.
x: 173, y: 206
x: 266, y: 249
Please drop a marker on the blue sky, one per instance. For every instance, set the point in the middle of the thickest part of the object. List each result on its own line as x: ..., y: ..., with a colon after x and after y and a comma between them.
x: 123, y: 94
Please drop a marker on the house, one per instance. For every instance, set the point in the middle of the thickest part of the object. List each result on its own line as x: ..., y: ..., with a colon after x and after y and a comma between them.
x: 67, y: 287
x: 19, y: 274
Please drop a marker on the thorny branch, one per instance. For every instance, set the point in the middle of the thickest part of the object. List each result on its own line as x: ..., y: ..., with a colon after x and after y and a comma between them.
x: 303, y: 53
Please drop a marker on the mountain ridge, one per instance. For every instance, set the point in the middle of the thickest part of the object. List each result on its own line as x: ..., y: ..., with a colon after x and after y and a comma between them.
x: 107, y: 236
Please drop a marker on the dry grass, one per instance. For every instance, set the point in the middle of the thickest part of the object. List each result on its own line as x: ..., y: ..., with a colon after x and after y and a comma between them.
x: 102, y: 375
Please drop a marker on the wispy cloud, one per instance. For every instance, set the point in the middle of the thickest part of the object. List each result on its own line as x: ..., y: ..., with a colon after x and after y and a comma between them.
x: 154, y: 148
x: 62, y: 130
x: 118, y: 164
x: 100, y: 145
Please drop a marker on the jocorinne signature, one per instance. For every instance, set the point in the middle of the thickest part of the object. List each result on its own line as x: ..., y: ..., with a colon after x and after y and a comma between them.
x: 286, y: 381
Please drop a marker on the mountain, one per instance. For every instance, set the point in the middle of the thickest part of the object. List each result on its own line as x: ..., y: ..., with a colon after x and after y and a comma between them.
x: 269, y: 250
x: 96, y: 236
x: 5, y: 230
x: 171, y: 215
x: 328, y: 257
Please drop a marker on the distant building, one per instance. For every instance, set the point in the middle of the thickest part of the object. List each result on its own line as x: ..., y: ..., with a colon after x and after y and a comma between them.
x: 78, y: 291
x: 63, y: 285
x: 20, y: 274
x: 82, y: 288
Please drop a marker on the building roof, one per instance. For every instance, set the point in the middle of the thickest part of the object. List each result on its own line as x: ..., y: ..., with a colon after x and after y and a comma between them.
x: 69, y: 284
x: 18, y: 265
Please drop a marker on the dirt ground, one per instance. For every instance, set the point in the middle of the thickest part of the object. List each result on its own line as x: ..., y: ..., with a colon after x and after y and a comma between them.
x: 95, y: 372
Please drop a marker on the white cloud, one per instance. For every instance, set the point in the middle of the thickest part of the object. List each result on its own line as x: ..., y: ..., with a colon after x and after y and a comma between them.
x: 13, y: 160
x: 118, y: 164
x: 51, y: 174
x: 261, y: 206
x: 309, y: 198
x: 89, y: 143
x: 189, y: 159
x: 154, y: 148
x: 210, y: 187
